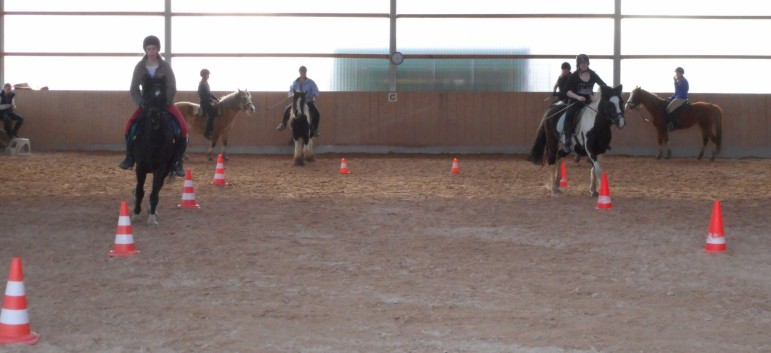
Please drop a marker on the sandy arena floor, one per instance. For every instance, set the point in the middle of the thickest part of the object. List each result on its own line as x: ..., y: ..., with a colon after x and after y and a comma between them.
x: 398, y: 256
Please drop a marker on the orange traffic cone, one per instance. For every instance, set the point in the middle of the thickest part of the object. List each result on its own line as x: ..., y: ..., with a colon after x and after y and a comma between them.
x: 219, y: 172
x: 715, y: 238
x: 14, y: 320
x: 604, y: 200
x: 344, y: 167
x: 564, y: 180
x: 455, y: 168
x: 188, y: 193
x: 124, y: 239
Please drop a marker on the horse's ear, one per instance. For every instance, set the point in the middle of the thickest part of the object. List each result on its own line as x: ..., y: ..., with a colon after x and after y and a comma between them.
x: 618, y: 89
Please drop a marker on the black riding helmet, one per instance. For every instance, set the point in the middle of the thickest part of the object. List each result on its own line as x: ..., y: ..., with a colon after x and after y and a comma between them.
x: 566, y: 65
x: 151, y: 40
x: 582, y: 58
x: 680, y: 70
x: 205, y: 72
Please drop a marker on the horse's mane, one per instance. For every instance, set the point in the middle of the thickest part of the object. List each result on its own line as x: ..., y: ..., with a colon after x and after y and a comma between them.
x: 596, y: 97
x: 228, y: 97
x: 650, y: 93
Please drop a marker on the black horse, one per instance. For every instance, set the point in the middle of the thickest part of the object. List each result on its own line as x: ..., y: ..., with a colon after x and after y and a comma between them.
x: 592, y: 137
x: 154, y: 145
x: 300, y: 121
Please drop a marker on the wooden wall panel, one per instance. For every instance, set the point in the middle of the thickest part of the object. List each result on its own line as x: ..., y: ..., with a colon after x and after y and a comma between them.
x: 461, y: 122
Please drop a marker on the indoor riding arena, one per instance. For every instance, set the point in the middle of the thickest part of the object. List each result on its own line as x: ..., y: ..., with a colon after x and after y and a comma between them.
x: 401, y: 254
x: 416, y: 221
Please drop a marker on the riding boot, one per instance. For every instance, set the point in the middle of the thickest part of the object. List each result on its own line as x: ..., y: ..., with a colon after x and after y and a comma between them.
x: 179, y: 156
x: 209, y: 127
x: 568, y: 131
x: 284, y: 120
x: 127, y: 162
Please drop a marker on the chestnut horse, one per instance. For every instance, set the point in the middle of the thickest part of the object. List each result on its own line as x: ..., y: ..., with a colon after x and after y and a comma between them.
x: 227, y: 110
x: 706, y: 115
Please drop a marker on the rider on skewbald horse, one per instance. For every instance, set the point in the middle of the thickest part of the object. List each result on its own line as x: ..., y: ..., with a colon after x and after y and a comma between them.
x: 304, y: 84
x: 580, y: 86
x: 154, y: 66
x: 679, y: 99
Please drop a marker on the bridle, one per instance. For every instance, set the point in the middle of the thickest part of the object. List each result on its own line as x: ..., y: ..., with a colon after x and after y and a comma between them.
x: 636, y: 107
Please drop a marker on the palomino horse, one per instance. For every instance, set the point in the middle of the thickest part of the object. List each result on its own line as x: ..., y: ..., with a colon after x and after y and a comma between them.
x: 592, y: 134
x: 227, y: 110
x: 300, y: 122
x: 154, y: 145
x: 706, y: 115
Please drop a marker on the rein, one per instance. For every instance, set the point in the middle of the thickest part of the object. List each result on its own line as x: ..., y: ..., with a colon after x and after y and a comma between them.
x: 279, y: 103
x: 559, y: 111
x: 642, y: 113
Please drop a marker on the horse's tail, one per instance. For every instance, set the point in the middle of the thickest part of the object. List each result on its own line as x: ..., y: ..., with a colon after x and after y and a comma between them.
x: 537, y: 152
x: 718, y: 120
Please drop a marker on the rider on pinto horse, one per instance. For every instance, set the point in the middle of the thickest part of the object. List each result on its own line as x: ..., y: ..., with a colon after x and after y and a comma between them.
x: 580, y: 86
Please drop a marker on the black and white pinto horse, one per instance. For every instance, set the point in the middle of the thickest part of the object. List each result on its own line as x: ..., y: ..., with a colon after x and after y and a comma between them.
x: 154, y: 145
x: 592, y: 136
x: 300, y: 122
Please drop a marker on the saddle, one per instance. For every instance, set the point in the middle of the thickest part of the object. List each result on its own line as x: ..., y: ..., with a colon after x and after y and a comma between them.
x: 673, y: 118
x: 198, y: 110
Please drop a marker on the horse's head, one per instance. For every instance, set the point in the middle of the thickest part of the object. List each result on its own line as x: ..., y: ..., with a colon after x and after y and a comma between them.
x: 245, y: 101
x: 154, y: 99
x: 610, y: 105
x: 298, y: 104
x: 634, y: 99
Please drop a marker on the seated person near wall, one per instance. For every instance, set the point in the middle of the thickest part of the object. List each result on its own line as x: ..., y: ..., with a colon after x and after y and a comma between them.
x: 7, y: 113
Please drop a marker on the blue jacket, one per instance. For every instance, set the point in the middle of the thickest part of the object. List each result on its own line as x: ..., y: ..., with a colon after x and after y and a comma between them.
x: 681, y: 89
x: 309, y: 87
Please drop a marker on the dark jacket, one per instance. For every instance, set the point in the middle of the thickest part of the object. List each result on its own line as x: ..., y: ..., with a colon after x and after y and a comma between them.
x: 582, y: 88
x: 204, y: 94
x: 164, y: 69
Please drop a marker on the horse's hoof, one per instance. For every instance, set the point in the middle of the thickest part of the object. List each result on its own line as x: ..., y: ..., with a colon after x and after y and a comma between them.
x: 310, y: 159
x: 299, y: 163
x: 225, y: 157
x: 136, y: 217
x: 595, y: 194
x: 152, y: 220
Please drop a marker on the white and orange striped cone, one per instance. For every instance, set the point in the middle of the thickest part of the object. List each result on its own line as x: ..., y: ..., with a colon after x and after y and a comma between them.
x: 564, y: 180
x: 455, y: 168
x: 219, y: 172
x: 124, y: 239
x: 715, y: 236
x: 188, y: 192
x: 604, y: 200
x: 14, y: 319
x: 344, y: 167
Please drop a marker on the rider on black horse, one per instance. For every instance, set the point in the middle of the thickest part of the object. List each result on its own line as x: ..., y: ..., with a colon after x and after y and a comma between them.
x: 154, y: 66
x: 580, y: 86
